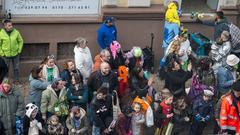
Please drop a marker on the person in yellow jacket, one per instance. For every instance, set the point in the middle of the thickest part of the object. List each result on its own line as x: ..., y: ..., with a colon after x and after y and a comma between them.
x: 171, y: 14
x: 11, y: 44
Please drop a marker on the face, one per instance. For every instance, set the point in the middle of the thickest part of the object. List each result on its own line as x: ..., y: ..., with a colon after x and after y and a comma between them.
x: 40, y: 74
x: 176, y: 66
x: 8, y: 26
x: 54, y: 122
x: 50, y: 63
x: 105, y: 69
x: 106, y: 57
x: 206, y: 98
x: 83, y: 45
x: 6, y: 87
x: 78, y: 114
x: 169, y: 100
x: 71, y: 66
x: 237, y: 93
x: 100, y: 96
x: 60, y: 85
x: 34, y: 113
x: 137, y: 108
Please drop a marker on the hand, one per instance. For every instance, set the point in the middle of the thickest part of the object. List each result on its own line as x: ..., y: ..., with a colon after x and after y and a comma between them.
x: 119, y: 79
x: 73, y: 130
x: 78, y: 131
x: 189, y: 67
x: 39, y: 125
x: 169, y: 115
x: 186, y: 119
x: 150, y: 81
x: 44, y: 118
x: 79, y: 97
x: 106, y: 131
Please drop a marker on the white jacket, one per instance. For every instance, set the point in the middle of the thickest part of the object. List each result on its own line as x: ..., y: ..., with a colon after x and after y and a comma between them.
x: 83, y: 61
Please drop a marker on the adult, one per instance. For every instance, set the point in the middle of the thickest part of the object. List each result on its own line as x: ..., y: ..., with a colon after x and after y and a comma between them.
x: 107, y: 33
x: 176, y: 77
x: 171, y: 25
x: 102, y: 112
x: 68, y: 71
x: 135, y: 58
x: 12, y: 106
x: 83, y: 57
x: 37, y: 86
x: 3, y: 69
x: 11, y: 46
x: 77, y: 93
x: 220, y: 24
x: 229, y: 114
x: 103, y: 78
x: 104, y: 56
x: 139, y: 84
x: 226, y: 75
x: 54, y: 93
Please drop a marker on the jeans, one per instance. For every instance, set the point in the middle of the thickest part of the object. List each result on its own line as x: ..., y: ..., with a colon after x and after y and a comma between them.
x: 15, y: 61
x: 96, y: 130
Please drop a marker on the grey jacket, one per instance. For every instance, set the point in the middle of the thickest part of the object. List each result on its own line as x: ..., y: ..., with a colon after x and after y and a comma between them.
x: 11, y: 105
x: 36, y: 88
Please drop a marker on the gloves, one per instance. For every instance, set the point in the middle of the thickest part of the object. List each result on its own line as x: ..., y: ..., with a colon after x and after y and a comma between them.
x: 198, y: 117
x: 207, y: 118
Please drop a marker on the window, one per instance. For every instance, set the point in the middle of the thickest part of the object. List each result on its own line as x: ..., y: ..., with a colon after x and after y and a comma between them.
x: 65, y: 50
x: 34, y: 51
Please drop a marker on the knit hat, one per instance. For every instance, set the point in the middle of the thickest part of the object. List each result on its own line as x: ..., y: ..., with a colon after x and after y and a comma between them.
x: 236, y: 86
x: 114, y: 46
x: 137, y: 52
x: 208, y: 93
x: 232, y: 60
x: 30, y: 108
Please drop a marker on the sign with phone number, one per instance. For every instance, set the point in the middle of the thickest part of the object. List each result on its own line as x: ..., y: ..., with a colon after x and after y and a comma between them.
x: 52, y: 7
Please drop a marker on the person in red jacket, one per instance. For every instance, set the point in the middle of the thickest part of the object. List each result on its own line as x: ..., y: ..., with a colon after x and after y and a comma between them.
x: 229, y: 114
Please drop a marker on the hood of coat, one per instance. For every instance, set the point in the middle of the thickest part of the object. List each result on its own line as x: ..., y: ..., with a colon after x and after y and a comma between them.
x: 78, y: 50
x: 82, y: 112
x: 172, y: 6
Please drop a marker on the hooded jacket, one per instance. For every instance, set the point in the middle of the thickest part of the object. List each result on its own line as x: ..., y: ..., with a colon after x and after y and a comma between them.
x: 11, y: 105
x: 171, y: 15
x: 83, y: 120
x: 106, y: 34
x: 83, y: 61
x: 11, y: 45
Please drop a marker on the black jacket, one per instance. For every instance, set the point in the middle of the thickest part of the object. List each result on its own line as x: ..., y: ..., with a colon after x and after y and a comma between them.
x: 3, y: 69
x: 139, y: 87
x: 118, y: 61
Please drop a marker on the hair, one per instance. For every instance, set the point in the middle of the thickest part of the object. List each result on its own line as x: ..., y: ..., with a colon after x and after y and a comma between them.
x: 102, y: 90
x: 65, y: 64
x: 45, y: 60
x: 226, y: 35
x: 103, y: 52
x: 35, y: 71
x: 168, y: 95
x: 7, y: 81
x: 78, y: 78
x: 5, y: 21
x: 80, y: 40
x: 220, y: 14
x: 136, y: 70
x: 171, y: 58
x: 53, y: 117
x: 55, y: 83
x: 204, y: 63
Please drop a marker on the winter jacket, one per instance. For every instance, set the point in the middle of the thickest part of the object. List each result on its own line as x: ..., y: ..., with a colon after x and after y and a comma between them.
x: 83, y: 61
x: 171, y: 15
x: 56, y: 130
x: 12, y: 105
x: 171, y: 30
x: 123, y: 125
x: 160, y: 116
x: 49, y: 98
x: 83, y: 126
x: 66, y: 76
x: 73, y: 96
x: 11, y: 45
x: 225, y: 79
x: 139, y: 87
x: 203, y: 109
x: 118, y: 61
x: 3, y: 69
x: 102, y: 112
x: 175, y: 80
x: 106, y: 34
x: 37, y: 86
x: 26, y: 123
x: 229, y: 119
x: 137, y: 122
x: 96, y: 80
x: 97, y: 63
x: 185, y: 48
x: 45, y: 73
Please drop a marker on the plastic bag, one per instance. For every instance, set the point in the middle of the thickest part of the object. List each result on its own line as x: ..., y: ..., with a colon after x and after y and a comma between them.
x: 149, y: 117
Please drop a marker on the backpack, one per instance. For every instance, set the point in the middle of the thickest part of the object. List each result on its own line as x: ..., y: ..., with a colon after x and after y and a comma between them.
x: 235, y: 34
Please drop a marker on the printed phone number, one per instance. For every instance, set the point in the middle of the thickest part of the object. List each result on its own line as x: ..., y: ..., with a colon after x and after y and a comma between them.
x: 54, y: 7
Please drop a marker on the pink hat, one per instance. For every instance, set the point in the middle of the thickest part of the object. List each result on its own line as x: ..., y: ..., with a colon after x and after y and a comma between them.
x: 114, y: 46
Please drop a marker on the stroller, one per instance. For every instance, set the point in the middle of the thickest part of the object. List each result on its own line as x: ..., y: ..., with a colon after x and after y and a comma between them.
x: 200, y: 44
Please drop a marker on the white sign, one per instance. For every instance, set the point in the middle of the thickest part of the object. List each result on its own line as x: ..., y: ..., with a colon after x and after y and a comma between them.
x: 52, y: 7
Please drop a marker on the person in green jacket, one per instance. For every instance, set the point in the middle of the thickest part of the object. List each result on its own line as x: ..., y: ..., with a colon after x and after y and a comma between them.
x: 11, y: 46
x: 11, y: 106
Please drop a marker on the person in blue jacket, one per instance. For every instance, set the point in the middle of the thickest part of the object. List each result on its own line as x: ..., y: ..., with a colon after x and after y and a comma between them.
x: 107, y: 33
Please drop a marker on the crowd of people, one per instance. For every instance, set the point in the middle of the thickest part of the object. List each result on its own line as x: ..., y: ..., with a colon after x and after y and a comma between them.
x: 113, y: 94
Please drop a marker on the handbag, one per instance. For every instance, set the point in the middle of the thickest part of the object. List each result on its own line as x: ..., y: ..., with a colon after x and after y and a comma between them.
x: 169, y: 128
x: 116, y: 107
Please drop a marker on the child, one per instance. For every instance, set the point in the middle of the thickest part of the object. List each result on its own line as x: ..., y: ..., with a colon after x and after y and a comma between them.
x: 202, y: 111
x: 163, y: 115
x: 54, y: 126
x: 77, y: 122
x: 124, y: 121
x: 32, y: 120
x: 137, y: 120
x: 50, y: 70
